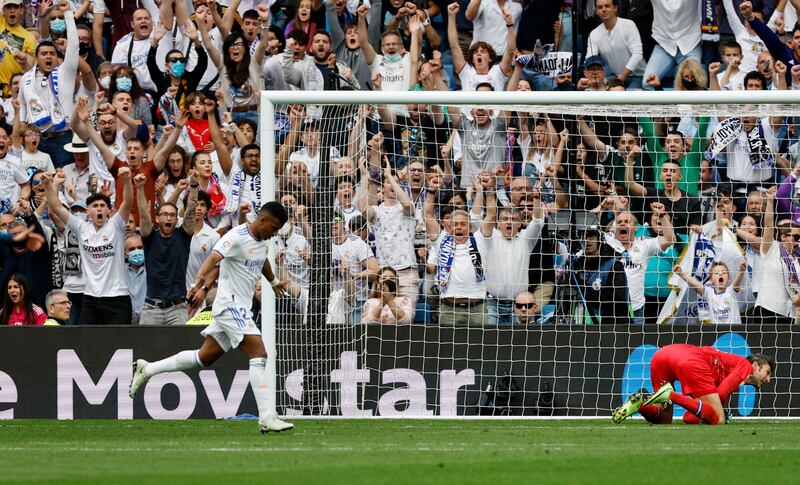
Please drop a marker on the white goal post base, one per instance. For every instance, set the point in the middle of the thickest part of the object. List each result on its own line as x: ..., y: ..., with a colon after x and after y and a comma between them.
x: 562, y: 370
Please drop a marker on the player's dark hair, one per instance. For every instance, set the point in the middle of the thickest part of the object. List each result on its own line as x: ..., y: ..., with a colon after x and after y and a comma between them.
x: 247, y: 148
x: 250, y: 15
x: 299, y: 36
x: 45, y: 43
x: 762, y: 359
x: 732, y: 44
x: 276, y: 210
x: 756, y: 75
x: 168, y: 204
x: 95, y: 197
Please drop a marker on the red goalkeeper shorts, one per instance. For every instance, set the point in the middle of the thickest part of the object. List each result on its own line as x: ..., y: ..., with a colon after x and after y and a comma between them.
x: 684, y: 363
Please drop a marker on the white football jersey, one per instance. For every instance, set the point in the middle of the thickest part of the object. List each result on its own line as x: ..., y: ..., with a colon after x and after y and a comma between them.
x: 243, y: 258
x: 102, y: 256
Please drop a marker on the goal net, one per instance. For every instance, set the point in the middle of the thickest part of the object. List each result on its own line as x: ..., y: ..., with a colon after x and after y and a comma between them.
x: 526, y: 254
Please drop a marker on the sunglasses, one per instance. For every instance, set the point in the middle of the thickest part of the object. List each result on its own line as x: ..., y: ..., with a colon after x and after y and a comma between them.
x: 520, y: 306
x: 175, y: 59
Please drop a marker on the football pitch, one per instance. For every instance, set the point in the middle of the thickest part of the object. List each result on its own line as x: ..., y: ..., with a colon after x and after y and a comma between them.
x: 398, y: 451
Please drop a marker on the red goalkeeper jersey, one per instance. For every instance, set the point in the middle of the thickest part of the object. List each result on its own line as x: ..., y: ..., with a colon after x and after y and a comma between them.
x: 701, y: 370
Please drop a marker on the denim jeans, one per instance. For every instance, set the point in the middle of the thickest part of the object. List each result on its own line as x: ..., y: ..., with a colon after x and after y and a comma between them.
x: 538, y: 81
x: 499, y: 312
x: 638, y: 317
x: 633, y: 83
x: 662, y: 64
x: 55, y: 148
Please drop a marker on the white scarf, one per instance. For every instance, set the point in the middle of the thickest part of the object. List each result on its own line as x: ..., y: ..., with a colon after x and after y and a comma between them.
x: 238, y: 182
x: 39, y: 113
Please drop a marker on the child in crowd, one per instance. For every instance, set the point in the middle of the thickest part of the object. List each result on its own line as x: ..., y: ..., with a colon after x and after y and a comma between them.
x: 721, y: 297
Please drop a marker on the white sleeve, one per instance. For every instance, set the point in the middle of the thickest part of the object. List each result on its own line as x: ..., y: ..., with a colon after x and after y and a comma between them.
x: 591, y: 46
x: 120, y: 53
x: 227, y: 245
x: 634, y: 42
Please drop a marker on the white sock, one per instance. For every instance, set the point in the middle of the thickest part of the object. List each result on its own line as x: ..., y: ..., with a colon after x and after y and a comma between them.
x: 260, y: 385
x: 186, y: 360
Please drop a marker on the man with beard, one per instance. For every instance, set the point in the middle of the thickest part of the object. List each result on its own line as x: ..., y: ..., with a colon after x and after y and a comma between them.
x: 46, y: 94
x: 603, y: 285
x: 636, y: 252
x: 335, y: 75
x: 245, y: 183
x: 166, y: 251
x: 134, y: 153
x: 115, y: 128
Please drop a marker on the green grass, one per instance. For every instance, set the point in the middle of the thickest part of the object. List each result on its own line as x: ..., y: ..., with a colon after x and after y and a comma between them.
x: 393, y: 451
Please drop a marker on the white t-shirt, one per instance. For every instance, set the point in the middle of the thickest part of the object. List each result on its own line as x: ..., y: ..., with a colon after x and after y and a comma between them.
x: 735, y: 82
x: 312, y: 163
x: 462, y: 282
x: 296, y: 266
x: 470, y: 78
x: 102, y: 256
x: 352, y: 253
x: 394, y: 237
x: 11, y: 176
x: 739, y: 167
x: 506, y: 261
x: 635, y: 261
x: 202, y: 244
x: 396, y: 76
x: 723, y: 307
x: 772, y: 293
x: 79, y: 179
x: 39, y: 161
x: 490, y: 25
x: 242, y: 264
x: 138, y: 56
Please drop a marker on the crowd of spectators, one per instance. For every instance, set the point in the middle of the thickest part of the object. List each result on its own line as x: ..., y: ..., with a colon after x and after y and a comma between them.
x: 129, y: 144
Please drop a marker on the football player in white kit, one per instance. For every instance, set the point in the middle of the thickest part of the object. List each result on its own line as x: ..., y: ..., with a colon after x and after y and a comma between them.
x: 239, y: 258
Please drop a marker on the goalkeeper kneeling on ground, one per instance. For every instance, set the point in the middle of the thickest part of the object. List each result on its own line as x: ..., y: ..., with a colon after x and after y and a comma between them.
x: 708, y: 377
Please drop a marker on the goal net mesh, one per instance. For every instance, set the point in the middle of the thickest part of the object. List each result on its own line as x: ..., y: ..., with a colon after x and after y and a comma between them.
x: 522, y: 260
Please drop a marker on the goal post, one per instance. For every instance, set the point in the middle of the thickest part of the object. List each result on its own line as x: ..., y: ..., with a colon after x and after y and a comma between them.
x: 566, y: 330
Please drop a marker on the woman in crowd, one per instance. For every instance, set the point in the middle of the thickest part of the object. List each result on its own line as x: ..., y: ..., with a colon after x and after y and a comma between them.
x: 384, y: 304
x: 18, y: 307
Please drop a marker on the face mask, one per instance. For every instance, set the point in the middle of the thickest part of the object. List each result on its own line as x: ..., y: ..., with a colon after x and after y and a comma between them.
x: 58, y: 26
x: 392, y: 57
x: 689, y: 84
x: 136, y: 257
x: 105, y: 81
x: 83, y: 49
x: 124, y: 84
x: 3, y: 232
x: 177, y: 69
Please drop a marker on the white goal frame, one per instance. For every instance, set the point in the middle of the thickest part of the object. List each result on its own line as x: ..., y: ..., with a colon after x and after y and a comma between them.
x: 270, y: 99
